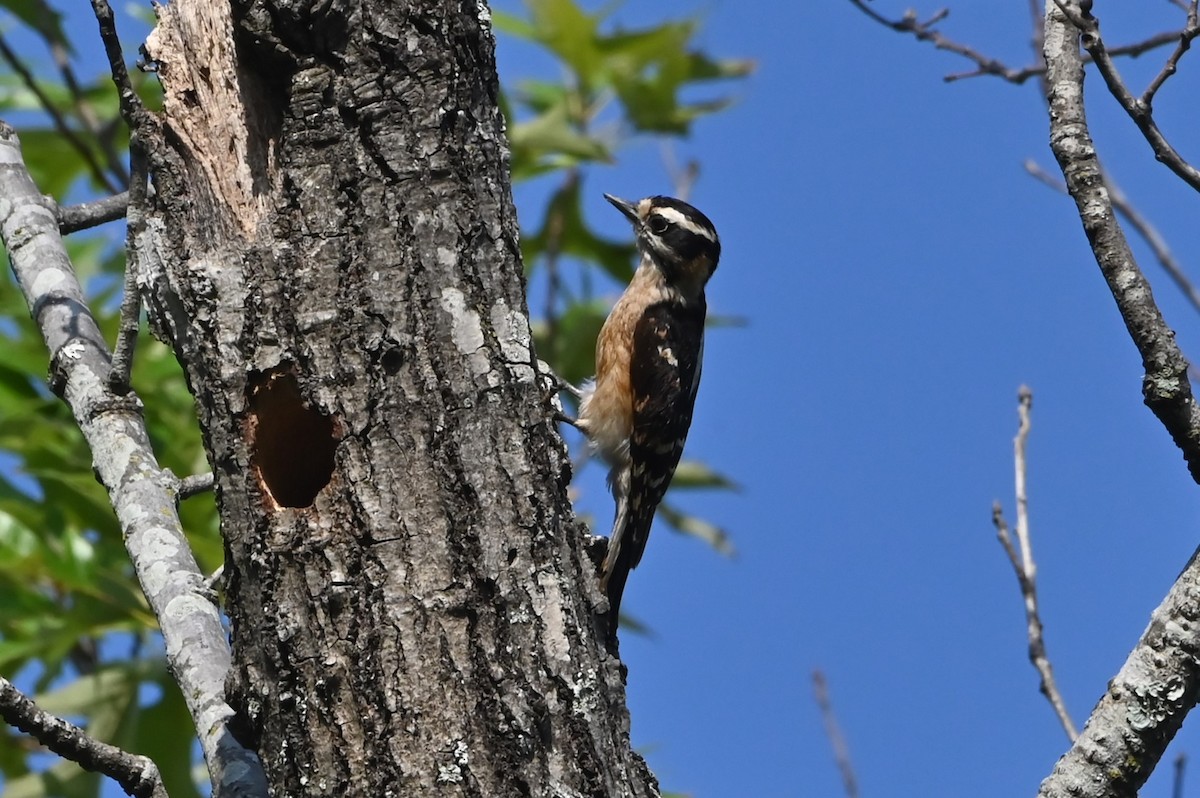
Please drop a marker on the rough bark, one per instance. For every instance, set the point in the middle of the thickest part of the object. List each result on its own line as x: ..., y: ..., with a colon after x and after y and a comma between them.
x: 1159, y: 684
x: 333, y: 254
x: 141, y: 493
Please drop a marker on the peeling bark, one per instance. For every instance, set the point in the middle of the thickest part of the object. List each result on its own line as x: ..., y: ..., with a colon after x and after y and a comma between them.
x: 333, y: 254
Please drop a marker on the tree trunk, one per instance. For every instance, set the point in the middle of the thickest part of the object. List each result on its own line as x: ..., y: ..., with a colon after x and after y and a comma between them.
x: 333, y: 253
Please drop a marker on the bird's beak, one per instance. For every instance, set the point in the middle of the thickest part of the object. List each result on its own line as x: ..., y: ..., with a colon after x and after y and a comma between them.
x: 624, y: 206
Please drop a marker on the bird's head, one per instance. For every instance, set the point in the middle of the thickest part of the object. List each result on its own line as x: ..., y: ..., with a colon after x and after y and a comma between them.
x: 678, y: 239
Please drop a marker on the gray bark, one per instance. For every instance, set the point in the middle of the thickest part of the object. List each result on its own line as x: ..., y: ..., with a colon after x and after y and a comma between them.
x: 1146, y: 702
x: 141, y: 493
x: 334, y: 256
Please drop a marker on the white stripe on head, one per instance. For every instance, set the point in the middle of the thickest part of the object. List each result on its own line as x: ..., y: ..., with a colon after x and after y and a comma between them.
x: 684, y: 221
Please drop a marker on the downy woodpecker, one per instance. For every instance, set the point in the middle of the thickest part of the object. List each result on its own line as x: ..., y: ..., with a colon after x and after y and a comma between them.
x: 637, y: 411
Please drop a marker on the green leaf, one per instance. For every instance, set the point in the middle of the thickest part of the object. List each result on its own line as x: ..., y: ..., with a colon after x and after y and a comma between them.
x: 513, y: 25
x: 63, y: 780
x: 550, y: 141
x: 630, y: 623
x: 710, y: 533
x: 691, y: 474
x: 17, y: 541
x: 55, y: 165
x: 99, y: 691
x: 570, y: 347
x: 564, y: 232
x: 570, y: 33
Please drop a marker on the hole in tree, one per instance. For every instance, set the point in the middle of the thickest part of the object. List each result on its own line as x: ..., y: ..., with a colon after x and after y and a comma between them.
x: 291, y: 444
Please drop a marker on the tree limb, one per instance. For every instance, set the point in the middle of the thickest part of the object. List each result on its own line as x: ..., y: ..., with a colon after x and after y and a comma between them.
x: 131, y: 302
x: 985, y: 65
x: 1148, y: 699
x: 1165, y: 386
x: 1138, y: 108
x: 73, y: 218
x: 144, y: 134
x: 197, y: 649
x: 137, y: 775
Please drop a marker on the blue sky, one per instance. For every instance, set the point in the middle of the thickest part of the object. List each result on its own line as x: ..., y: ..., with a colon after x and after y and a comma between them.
x: 901, y: 275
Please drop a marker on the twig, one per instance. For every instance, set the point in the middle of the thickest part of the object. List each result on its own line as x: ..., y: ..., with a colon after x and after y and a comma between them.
x: 1021, y: 558
x: 682, y: 178
x: 215, y: 579
x: 194, y: 485
x: 1189, y: 32
x: 1149, y: 233
x: 197, y: 648
x: 137, y: 775
x: 1146, y: 702
x: 60, y: 122
x: 74, y: 218
x: 144, y: 135
x: 131, y: 300
x: 841, y: 751
x: 984, y: 65
x: 1177, y: 783
x: 135, y: 114
x: 1138, y: 109
x: 1037, y: 43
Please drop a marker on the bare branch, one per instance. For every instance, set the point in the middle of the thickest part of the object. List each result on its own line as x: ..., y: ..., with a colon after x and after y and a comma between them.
x: 1138, y: 109
x: 135, y: 114
x: 1154, y: 239
x: 1165, y: 386
x: 1144, y: 227
x: 1188, y: 33
x: 984, y: 65
x: 194, y: 485
x: 137, y: 775
x: 684, y: 177
x: 1177, y: 783
x: 1146, y: 702
x: 925, y: 32
x: 144, y: 136
x: 131, y: 300
x: 197, y: 647
x: 841, y: 751
x: 1020, y: 556
x: 74, y: 218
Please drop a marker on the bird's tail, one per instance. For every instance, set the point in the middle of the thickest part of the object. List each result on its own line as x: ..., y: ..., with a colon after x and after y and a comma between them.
x: 625, y: 547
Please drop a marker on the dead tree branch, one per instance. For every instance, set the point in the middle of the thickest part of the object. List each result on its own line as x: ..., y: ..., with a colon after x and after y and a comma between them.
x: 137, y: 775
x: 833, y: 731
x: 1020, y: 556
x: 73, y: 218
x: 1139, y: 109
x: 985, y: 65
x: 1146, y: 702
x: 197, y: 647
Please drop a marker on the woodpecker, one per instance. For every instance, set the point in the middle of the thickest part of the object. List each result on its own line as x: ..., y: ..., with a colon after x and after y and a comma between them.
x: 637, y: 411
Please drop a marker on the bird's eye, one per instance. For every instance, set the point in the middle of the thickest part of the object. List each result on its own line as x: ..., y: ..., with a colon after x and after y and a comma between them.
x: 658, y: 225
